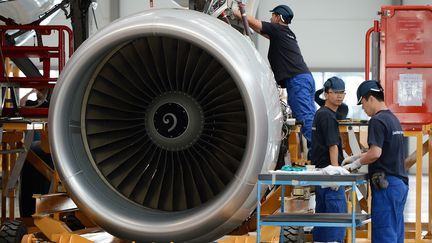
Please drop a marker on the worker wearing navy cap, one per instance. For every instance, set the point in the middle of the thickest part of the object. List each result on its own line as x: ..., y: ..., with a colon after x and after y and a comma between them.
x: 327, y: 150
x: 341, y: 112
x: 385, y: 157
x: 289, y: 68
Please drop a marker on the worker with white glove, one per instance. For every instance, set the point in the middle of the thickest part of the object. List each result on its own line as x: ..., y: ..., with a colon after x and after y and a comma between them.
x: 327, y: 155
x: 385, y: 157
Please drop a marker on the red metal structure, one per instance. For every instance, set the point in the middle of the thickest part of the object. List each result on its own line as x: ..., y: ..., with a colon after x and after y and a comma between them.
x: 400, y: 49
x: 46, y: 54
x: 404, y: 62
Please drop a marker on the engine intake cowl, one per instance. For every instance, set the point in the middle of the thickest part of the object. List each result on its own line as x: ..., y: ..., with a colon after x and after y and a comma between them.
x: 160, y: 124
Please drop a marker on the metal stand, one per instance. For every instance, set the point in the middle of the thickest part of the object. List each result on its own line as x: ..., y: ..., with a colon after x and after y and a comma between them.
x: 300, y: 219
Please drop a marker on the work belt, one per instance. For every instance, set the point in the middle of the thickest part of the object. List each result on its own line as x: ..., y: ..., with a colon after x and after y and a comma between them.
x: 379, y: 181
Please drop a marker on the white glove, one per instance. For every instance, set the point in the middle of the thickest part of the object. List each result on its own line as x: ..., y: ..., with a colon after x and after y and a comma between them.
x: 334, y: 170
x: 350, y: 159
x: 233, y: 5
x: 233, y: 9
x: 353, y: 166
x: 334, y: 187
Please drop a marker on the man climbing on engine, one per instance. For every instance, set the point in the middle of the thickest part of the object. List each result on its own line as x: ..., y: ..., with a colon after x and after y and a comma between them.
x: 288, y: 65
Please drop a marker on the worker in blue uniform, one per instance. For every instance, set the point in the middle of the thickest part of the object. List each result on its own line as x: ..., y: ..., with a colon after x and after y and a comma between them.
x: 385, y: 157
x: 288, y: 65
x: 327, y: 150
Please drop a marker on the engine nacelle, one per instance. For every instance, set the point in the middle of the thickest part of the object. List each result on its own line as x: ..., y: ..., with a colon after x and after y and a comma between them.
x: 160, y: 124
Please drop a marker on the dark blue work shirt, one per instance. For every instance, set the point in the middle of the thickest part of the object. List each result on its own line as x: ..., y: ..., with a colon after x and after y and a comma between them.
x: 386, y: 132
x: 284, y: 53
x: 325, y: 133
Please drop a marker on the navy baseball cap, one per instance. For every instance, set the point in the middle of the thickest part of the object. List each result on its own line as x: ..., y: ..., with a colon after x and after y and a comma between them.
x: 334, y: 83
x: 284, y: 11
x: 366, y: 87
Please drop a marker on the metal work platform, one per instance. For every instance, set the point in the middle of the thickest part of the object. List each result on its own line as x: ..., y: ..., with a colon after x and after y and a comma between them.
x: 320, y: 219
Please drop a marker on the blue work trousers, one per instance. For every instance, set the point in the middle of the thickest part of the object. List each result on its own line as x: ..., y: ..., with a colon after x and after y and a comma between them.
x: 301, y: 91
x: 387, y: 211
x: 329, y: 201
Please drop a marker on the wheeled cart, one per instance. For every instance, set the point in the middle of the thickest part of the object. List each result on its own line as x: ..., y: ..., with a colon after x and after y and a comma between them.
x: 318, y: 219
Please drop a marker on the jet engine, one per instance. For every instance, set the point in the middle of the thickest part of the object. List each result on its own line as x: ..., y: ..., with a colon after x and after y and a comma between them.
x: 161, y: 122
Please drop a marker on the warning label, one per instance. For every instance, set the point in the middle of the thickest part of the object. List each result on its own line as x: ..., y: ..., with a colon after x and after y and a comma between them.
x: 409, y: 24
x: 405, y: 47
